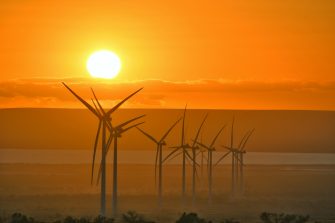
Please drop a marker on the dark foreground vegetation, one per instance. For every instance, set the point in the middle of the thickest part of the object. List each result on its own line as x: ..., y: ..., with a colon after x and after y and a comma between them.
x: 134, y: 217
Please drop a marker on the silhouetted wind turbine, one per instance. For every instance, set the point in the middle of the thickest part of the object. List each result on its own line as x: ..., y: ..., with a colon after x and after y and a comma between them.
x: 194, y: 148
x: 115, y: 133
x: 237, y: 158
x: 202, y: 157
x: 159, y: 157
x: 241, y: 152
x: 233, y: 157
x: 210, y: 148
x: 104, y: 122
x: 183, y: 147
x: 118, y: 130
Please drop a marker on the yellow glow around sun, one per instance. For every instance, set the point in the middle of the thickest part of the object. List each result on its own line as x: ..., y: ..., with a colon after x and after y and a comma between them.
x: 103, y: 64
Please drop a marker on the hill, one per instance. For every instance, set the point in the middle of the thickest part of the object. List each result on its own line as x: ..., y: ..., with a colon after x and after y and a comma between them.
x: 276, y: 131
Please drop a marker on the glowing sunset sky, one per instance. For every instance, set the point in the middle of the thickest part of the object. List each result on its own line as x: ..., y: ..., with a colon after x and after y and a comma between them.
x: 212, y: 54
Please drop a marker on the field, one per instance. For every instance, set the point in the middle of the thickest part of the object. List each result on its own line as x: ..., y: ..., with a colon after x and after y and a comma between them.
x: 49, y: 192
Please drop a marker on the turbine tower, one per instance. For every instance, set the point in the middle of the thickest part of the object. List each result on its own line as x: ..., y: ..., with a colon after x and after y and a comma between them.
x: 104, y: 124
x: 237, y: 160
x: 183, y: 147
x: 115, y: 133
x: 194, y: 149
x: 240, y: 153
x: 210, y: 149
x: 118, y: 131
x: 159, y: 157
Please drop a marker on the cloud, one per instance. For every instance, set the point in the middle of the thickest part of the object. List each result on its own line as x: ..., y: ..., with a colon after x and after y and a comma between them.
x: 203, y: 93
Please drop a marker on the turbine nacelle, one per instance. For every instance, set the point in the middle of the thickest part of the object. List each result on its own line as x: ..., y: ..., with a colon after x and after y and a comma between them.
x: 163, y: 143
x: 196, y: 147
x: 186, y: 146
x: 159, y: 159
x: 117, y: 132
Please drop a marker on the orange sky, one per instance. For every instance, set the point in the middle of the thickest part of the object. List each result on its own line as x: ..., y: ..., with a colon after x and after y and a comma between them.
x: 244, y: 54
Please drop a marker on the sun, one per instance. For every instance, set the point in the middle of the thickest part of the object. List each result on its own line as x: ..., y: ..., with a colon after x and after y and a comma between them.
x: 103, y: 64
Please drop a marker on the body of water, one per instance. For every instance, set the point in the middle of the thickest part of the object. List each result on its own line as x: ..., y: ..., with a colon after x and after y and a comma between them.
x: 61, y: 156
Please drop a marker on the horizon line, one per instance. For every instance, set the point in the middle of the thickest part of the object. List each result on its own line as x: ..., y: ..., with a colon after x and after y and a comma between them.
x: 172, y: 108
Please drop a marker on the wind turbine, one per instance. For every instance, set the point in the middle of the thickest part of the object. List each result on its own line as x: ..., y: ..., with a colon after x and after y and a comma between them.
x: 183, y: 147
x: 233, y: 157
x: 194, y: 149
x: 104, y: 124
x: 115, y: 133
x: 210, y: 149
x: 202, y: 156
x: 237, y: 158
x: 118, y: 131
x: 159, y: 157
x: 242, y: 153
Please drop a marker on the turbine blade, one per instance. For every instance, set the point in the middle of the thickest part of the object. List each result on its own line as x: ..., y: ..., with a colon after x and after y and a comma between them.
x: 183, y: 127
x: 206, y: 157
x: 202, y: 145
x: 188, y: 161
x: 99, y: 174
x: 95, y: 106
x: 109, y: 141
x: 129, y: 121
x: 199, y: 129
x: 101, y: 108
x: 109, y: 126
x: 87, y: 105
x: 188, y: 155
x: 243, y: 138
x: 174, y: 147
x: 120, y: 103
x: 170, y: 154
x: 169, y: 130
x: 222, y: 157
x: 194, y: 159
x: 156, y: 160
x: 94, y: 151
x: 245, y: 142
x: 208, y: 162
x: 238, y: 158
x: 147, y: 135
x: 196, y: 171
x: 226, y: 147
x: 232, y: 133
x: 216, y: 137
x: 175, y: 156
x: 130, y: 127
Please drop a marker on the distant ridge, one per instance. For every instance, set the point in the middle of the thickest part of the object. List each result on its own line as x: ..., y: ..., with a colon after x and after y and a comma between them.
x: 276, y: 130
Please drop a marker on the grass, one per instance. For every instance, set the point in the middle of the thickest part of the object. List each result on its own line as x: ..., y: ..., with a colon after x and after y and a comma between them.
x: 134, y: 217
